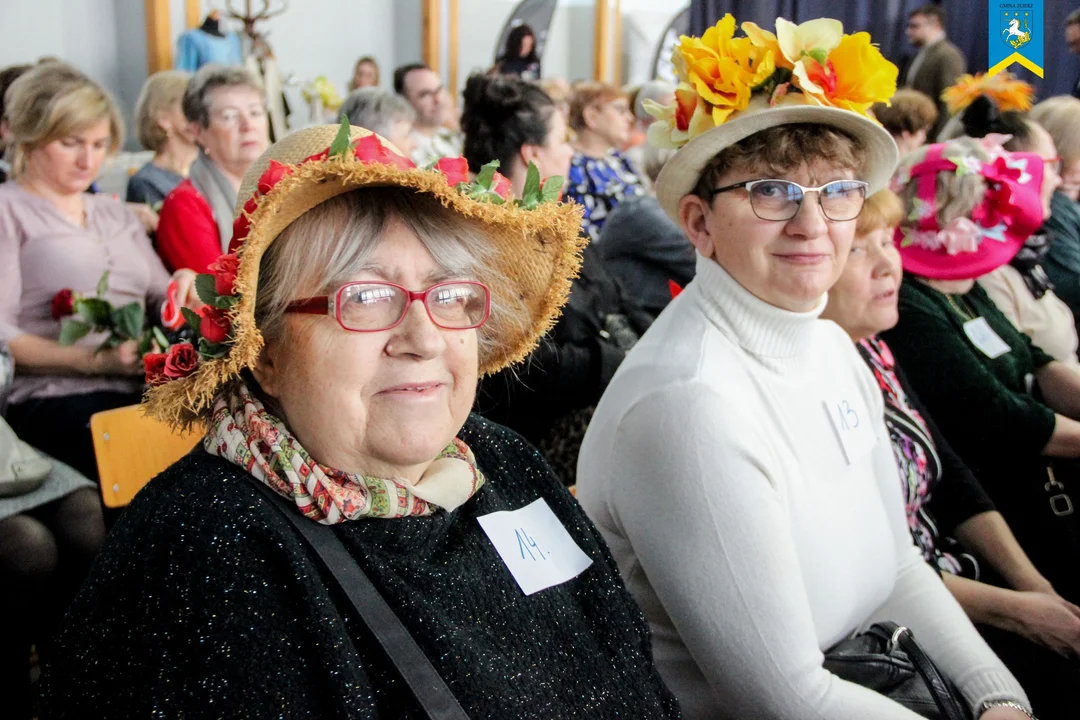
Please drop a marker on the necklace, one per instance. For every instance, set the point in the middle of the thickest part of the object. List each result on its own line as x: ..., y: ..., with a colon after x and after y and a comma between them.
x: 955, y: 301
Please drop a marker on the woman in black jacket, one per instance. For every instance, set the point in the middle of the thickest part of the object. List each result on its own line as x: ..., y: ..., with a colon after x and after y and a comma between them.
x: 551, y: 397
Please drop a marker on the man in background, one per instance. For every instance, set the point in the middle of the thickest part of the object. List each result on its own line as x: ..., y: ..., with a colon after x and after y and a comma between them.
x: 423, y: 89
x: 938, y: 63
x: 1072, y: 38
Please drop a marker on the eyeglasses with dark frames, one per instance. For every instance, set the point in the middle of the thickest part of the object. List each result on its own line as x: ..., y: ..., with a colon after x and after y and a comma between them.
x: 780, y: 200
x: 376, y: 306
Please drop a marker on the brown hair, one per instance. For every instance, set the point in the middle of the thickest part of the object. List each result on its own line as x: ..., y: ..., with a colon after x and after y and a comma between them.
x: 930, y: 11
x: 779, y: 149
x: 908, y: 111
x: 883, y: 209
x: 51, y: 101
x: 161, y: 91
x: 589, y: 94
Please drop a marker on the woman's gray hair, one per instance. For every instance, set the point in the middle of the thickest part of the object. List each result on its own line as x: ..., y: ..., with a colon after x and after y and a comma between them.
x: 196, y: 103
x: 377, y: 110
x: 955, y: 195
x: 330, y: 244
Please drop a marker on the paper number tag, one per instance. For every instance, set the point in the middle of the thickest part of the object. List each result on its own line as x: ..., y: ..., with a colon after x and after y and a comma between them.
x: 853, y: 427
x: 535, y: 546
x: 983, y: 337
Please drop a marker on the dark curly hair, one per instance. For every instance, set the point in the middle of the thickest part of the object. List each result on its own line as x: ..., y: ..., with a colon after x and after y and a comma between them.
x: 983, y: 117
x: 515, y: 39
x: 500, y: 114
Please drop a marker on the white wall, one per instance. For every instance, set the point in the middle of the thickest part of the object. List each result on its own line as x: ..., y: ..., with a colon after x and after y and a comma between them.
x: 107, y: 39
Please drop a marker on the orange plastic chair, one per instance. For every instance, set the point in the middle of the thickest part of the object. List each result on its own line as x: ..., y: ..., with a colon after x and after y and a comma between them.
x: 131, y: 449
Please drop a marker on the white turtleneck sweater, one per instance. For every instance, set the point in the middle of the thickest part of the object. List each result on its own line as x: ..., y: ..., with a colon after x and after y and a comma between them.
x: 750, y: 541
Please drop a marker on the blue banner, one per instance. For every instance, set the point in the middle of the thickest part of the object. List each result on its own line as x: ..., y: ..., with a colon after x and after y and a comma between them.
x: 1016, y: 35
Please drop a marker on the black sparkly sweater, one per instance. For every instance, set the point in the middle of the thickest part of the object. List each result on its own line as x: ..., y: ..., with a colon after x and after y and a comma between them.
x: 206, y: 603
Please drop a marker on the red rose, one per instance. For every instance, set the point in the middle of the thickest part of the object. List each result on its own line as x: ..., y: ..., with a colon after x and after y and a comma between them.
x: 242, y: 225
x: 154, y: 365
x: 456, y: 170
x: 224, y: 269
x: 63, y: 304
x: 500, y: 185
x: 317, y: 157
x: 180, y: 361
x: 370, y: 149
x: 273, y: 176
x: 215, y: 325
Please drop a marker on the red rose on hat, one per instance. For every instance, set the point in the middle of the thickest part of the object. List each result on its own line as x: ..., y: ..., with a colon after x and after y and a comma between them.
x: 215, y: 325
x: 500, y: 185
x: 180, y: 361
x: 224, y: 270
x: 154, y: 365
x: 63, y: 304
x: 273, y: 175
x: 370, y: 149
x: 456, y: 170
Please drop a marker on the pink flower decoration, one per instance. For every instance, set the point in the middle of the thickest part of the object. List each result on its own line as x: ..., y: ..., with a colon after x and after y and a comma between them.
x: 960, y: 235
x: 456, y: 170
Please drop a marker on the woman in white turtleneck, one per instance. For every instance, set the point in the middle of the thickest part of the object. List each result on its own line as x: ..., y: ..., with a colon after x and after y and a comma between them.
x: 738, y: 464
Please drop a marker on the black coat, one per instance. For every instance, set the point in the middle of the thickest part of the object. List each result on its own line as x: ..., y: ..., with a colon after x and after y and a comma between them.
x: 206, y: 603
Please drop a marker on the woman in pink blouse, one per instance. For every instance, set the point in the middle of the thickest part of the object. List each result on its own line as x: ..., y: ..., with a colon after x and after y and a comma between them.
x: 53, y: 235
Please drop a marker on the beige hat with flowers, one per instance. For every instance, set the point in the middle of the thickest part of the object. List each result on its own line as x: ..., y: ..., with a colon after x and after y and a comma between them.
x: 730, y: 88
x: 535, y: 240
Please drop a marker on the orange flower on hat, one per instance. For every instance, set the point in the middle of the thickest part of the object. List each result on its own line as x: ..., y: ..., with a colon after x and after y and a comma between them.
x: 855, y: 76
x: 1006, y: 91
x: 723, y: 69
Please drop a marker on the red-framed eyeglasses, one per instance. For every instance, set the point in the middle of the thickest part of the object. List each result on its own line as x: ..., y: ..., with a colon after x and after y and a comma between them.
x: 376, y: 306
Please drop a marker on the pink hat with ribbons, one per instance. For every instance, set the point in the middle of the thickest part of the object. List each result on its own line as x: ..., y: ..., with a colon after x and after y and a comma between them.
x: 995, y: 230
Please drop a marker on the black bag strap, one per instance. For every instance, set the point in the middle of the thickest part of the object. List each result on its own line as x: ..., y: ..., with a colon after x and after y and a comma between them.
x: 414, y: 667
x: 940, y: 687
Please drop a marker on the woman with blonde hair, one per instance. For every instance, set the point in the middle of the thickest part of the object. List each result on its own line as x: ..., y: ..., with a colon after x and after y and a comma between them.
x: 161, y: 127
x: 365, y: 73
x: 54, y: 236
x: 952, y: 520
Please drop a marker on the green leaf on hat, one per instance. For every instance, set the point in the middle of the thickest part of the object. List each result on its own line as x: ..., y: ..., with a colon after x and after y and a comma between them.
x: 204, y: 286
x: 192, y: 318
x: 532, y: 181
x: 552, y: 189
x: 103, y: 284
x: 72, y: 330
x: 209, y: 350
x: 486, y: 176
x: 341, y: 143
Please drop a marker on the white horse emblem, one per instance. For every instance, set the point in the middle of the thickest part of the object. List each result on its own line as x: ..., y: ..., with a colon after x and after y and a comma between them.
x: 1014, y: 36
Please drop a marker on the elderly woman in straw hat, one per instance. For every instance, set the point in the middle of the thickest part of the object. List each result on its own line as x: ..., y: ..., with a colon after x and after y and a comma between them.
x: 738, y: 464
x: 335, y: 370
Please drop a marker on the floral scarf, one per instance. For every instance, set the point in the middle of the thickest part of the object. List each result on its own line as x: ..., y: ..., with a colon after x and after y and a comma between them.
x: 243, y: 432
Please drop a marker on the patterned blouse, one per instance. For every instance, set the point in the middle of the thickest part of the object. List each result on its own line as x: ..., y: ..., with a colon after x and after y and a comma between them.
x: 923, y: 461
x: 600, y: 184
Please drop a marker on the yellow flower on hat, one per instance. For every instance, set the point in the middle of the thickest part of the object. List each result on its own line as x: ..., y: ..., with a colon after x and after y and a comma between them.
x: 721, y: 68
x: 807, y: 46
x: 855, y: 76
x: 762, y: 38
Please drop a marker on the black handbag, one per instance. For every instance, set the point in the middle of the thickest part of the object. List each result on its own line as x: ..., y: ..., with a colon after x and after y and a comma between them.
x: 887, y: 659
x: 429, y: 689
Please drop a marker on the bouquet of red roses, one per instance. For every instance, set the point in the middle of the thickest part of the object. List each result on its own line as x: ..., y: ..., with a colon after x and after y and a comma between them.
x: 80, y: 315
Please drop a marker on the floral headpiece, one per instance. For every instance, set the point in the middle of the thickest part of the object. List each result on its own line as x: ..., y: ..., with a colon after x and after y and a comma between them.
x: 226, y: 339
x: 720, y: 73
x: 1007, y: 92
x: 1009, y: 213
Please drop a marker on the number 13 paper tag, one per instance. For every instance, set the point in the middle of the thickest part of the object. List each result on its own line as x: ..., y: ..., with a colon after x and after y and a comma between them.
x: 535, y: 546
x: 851, y: 421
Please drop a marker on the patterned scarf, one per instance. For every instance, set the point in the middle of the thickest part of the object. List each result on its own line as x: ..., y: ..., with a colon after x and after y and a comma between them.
x: 1029, y: 262
x: 244, y: 433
